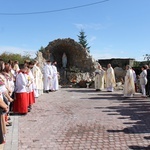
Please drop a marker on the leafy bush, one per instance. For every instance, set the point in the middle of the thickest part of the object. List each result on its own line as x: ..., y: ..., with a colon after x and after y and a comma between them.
x: 6, y: 56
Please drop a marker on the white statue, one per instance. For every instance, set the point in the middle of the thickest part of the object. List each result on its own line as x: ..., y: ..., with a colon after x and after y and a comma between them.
x: 64, y: 60
x: 40, y: 59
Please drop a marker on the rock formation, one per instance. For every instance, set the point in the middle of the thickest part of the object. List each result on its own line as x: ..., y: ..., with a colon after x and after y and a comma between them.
x: 77, y: 56
x: 79, y: 61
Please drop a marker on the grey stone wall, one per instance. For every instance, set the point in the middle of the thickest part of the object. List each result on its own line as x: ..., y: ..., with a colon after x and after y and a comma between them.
x: 117, y: 62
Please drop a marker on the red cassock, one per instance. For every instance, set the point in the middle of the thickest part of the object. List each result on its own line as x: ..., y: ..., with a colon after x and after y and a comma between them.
x: 31, y: 98
x: 31, y: 88
x: 21, y: 102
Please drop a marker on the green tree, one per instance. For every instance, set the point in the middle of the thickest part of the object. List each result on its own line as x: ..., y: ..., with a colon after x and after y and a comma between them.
x: 83, y: 41
x: 6, y: 56
x: 42, y: 49
x: 147, y: 57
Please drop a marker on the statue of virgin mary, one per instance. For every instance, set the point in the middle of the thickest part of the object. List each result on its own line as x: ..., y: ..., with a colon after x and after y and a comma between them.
x: 64, y: 60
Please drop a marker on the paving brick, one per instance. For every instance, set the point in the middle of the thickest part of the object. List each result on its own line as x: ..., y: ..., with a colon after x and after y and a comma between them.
x: 73, y: 119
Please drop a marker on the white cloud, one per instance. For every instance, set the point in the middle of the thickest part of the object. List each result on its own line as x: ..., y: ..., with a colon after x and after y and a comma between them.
x: 17, y: 50
x: 143, y: 51
x: 93, y: 38
x: 95, y: 26
x: 108, y: 53
x: 122, y: 52
x: 102, y: 56
x: 2, y: 29
x: 79, y: 26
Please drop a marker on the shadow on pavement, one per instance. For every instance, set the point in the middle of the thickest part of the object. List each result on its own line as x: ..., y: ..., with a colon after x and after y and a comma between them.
x: 105, y: 97
x: 139, y: 147
x: 82, y: 90
x: 137, y: 111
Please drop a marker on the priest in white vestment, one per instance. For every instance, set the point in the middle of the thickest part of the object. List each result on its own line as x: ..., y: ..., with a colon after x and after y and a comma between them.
x: 40, y: 80
x: 129, y: 86
x: 35, y: 74
x: 99, y: 78
x: 55, y: 85
x: 110, y: 78
x: 47, y: 75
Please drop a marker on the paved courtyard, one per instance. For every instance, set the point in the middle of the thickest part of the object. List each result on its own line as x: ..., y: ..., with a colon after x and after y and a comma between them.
x: 82, y: 119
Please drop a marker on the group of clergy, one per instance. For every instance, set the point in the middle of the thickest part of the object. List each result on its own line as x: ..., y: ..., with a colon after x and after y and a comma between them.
x: 106, y: 78
x: 50, y: 76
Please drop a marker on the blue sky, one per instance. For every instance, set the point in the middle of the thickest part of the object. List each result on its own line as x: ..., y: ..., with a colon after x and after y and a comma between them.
x: 114, y: 28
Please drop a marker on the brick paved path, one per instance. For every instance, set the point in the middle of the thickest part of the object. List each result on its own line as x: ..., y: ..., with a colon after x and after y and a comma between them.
x: 83, y: 119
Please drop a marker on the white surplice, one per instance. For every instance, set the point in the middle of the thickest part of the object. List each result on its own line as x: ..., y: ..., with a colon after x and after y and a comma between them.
x: 21, y: 83
x: 47, y: 75
x: 36, y: 80
x: 55, y: 85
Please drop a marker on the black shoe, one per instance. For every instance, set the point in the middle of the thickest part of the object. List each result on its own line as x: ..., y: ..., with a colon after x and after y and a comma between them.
x: 9, y: 124
x: 30, y: 107
x: 23, y: 114
x: 98, y: 90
